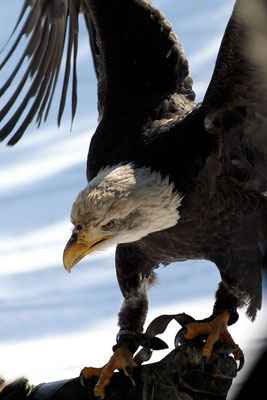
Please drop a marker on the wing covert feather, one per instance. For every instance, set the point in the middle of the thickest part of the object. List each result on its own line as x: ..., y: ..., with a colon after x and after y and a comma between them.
x: 235, y: 103
x: 139, y: 55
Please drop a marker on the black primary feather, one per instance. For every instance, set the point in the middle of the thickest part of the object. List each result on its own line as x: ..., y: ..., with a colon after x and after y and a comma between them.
x: 47, y: 25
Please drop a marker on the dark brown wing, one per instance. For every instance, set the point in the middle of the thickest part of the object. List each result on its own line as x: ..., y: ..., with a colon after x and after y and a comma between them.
x: 139, y: 58
x: 236, y: 100
x: 48, y: 25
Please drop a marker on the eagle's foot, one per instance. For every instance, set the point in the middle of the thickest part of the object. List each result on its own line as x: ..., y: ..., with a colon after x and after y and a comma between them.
x: 121, y: 360
x: 214, y: 330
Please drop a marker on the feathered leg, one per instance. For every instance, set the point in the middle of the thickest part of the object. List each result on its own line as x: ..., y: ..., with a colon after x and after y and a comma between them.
x: 134, y: 285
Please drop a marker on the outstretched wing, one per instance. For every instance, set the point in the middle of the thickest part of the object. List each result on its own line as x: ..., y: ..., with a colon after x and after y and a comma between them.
x: 236, y: 100
x: 139, y: 58
x: 48, y: 25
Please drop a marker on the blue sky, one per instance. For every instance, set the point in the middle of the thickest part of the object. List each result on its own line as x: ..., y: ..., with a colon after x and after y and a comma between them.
x: 50, y: 317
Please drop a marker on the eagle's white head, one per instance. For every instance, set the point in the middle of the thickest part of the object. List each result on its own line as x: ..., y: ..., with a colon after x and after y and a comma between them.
x: 121, y: 204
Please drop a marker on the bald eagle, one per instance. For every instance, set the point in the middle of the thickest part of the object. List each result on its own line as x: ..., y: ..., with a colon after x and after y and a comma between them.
x: 168, y: 179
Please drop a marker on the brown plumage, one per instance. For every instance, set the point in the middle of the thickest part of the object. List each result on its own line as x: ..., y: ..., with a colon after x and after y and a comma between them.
x: 211, y: 157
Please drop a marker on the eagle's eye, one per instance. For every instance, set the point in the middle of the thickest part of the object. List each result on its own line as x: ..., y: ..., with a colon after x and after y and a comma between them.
x: 109, y: 225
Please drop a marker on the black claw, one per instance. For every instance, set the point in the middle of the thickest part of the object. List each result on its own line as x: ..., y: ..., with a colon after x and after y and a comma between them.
x: 129, y: 372
x: 98, y: 398
x: 180, y: 336
x: 203, y: 362
x: 241, y: 363
x: 82, y: 380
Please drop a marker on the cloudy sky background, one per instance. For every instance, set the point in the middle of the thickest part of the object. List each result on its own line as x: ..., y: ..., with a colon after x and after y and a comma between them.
x: 52, y: 323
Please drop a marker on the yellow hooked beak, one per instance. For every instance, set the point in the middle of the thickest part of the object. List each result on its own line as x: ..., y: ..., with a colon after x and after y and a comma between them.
x: 79, y: 245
